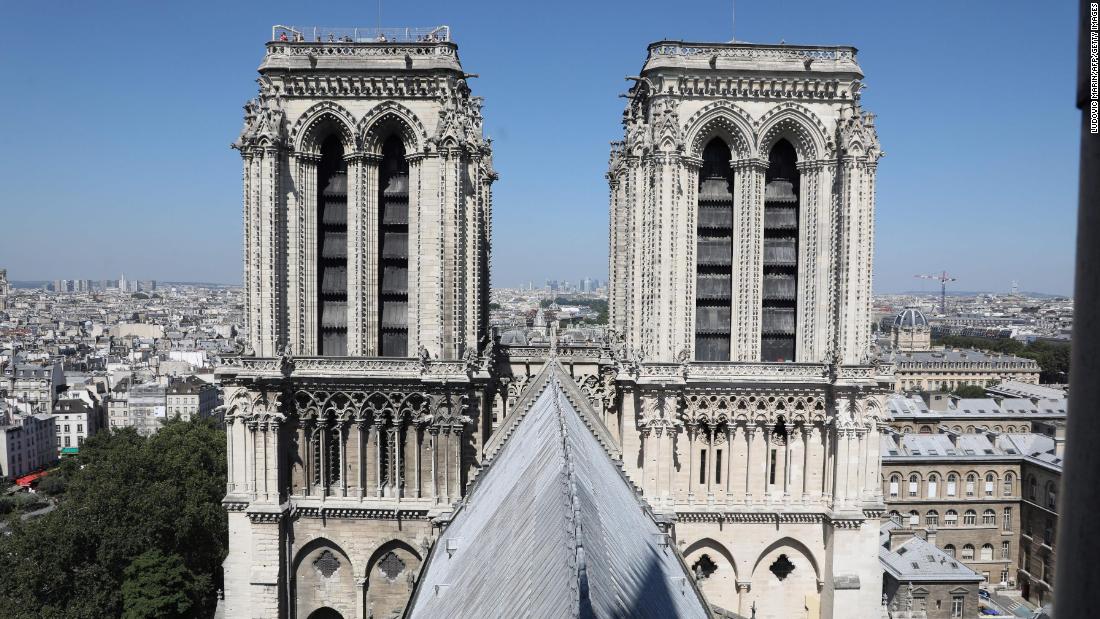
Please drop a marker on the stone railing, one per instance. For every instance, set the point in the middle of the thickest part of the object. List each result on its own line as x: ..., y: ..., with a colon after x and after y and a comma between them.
x: 753, y: 52
x: 360, y: 49
x: 704, y: 371
x: 564, y: 352
x: 348, y: 367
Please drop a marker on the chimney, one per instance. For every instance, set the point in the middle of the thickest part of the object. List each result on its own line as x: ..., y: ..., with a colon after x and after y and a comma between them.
x: 899, y: 536
x: 1060, y: 439
x: 939, y: 401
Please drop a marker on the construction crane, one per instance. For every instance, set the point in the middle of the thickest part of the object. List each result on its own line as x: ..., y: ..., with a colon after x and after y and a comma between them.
x: 943, y: 278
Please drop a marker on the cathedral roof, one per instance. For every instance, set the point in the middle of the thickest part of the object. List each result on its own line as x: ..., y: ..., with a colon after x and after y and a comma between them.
x: 552, y: 528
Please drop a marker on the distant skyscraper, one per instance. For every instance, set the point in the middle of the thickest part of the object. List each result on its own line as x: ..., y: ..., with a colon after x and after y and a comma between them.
x: 4, y: 289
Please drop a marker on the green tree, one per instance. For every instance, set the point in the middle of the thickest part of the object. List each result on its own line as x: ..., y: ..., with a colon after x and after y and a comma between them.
x: 158, y: 586
x: 1052, y: 357
x: 969, y: 391
x: 127, y: 495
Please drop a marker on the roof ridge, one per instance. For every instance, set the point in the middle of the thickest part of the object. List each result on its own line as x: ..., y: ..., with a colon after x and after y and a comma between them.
x: 579, y: 586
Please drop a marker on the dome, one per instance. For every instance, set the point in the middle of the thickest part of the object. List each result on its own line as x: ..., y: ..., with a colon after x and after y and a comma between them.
x: 910, y: 317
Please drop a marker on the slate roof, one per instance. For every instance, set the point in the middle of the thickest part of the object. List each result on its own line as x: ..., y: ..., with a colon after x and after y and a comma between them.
x: 552, y: 528
x: 918, y: 561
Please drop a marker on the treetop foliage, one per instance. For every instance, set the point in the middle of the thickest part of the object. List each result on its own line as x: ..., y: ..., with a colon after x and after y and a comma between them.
x: 137, y: 511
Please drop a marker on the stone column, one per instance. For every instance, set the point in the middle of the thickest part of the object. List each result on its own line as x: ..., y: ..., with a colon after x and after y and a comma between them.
x: 379, y: 478
x: 689, y: 428
x: 748, y: 212
x: 750, y: 433
x: 362, y: 252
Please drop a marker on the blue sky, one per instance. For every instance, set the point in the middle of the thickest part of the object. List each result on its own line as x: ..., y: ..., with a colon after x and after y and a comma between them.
x: 117, y: 117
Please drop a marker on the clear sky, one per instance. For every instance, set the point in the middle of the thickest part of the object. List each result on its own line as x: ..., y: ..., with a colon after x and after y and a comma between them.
x: 116, y: 120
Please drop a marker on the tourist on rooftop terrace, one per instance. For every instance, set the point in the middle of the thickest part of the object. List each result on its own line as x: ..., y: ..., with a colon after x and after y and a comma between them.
x: 282, y: 36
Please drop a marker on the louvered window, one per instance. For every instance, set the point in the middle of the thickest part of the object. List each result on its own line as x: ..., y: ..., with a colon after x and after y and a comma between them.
x: 393, y: 234
x: 714, y: 255
x: 332, y: 249
x: 780, y: 276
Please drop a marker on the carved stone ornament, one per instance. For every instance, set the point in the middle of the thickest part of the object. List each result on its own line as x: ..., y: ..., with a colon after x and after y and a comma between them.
x: 326, y: 563
x: 782, y: 567
x: 391, y: 566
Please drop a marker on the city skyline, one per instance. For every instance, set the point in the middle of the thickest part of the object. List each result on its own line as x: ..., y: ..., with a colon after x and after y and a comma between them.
x: 948, y: 191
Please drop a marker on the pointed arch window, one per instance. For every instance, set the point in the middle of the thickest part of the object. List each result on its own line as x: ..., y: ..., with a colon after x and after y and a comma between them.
x: 780, y: 276
x: 393, y: 263
x: 332, y: 249
x: 714, y: 254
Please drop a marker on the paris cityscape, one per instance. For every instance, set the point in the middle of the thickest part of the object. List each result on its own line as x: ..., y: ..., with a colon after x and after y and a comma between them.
x: 741, y: 378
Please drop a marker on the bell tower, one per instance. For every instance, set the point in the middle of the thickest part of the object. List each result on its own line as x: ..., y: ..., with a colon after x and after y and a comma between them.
x: 355, y: 413
x: 742, y: 228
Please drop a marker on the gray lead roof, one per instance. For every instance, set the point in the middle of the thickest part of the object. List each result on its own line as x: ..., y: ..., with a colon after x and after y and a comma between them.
x: 552, y: 528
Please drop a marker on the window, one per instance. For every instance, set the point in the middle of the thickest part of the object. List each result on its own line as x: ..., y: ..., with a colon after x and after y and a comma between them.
x: 956, y: 606
x: 714, y: 254
x: 971, y: 483
x: 914, y: 484
x: 987, y: 552
x: 970, y: 517
x: 895, y: 481
x: 950, y: 550
x: 779, y: 296
x: 932, y: 518
x: 1009, y: 480
x: 718, y: 466
x: 59, y: 441
x: 1006, y: 519
x: 66, y: 427
x: 1033, y: 490
x: 933, y: 481
x: 332, y: 249
x: 1005, y: 550
x: 952, y: 480
x: 968, y: 552
x: 67, y: 444
x: 1048, y: 532
x: 989, y: 517
x: 951, y: 518
x: 1004, y: 575
x: 990, y: 484
x: 702, y: 466
x: 914, y: 519
x: 1052, y: 496
x: 79, y: 427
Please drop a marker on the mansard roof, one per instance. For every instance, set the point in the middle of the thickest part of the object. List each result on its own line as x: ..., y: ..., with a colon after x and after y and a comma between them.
x: 552, y: 527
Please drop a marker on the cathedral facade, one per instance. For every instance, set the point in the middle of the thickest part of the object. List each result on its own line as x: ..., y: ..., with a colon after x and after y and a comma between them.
x: 750, y: 407
x: 738, y: 391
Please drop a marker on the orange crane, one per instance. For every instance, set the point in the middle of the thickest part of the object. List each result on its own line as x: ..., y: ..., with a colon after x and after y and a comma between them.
x: 943, y: 278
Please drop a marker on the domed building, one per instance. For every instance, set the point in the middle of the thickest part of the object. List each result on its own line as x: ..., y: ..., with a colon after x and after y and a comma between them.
x: 910, y: 331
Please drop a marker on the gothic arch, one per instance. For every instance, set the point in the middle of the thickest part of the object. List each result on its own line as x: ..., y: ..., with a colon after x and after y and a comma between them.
x: 799, y: 125
x: 385, y: 548
x: 316, y: 123
x: 387, y: 119
x: 318, y: 543
x: 390, y: 576
x: 719, y: 585
x: 725, y: 120
x: 324, y: 577
x: 794, y: 545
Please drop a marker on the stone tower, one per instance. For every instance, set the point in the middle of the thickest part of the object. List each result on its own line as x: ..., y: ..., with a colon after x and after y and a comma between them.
x: 354, y: 416
x: 742, y: 224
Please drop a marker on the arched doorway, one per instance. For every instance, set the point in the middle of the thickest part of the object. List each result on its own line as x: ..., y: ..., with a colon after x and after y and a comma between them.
x: 325, y: 613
